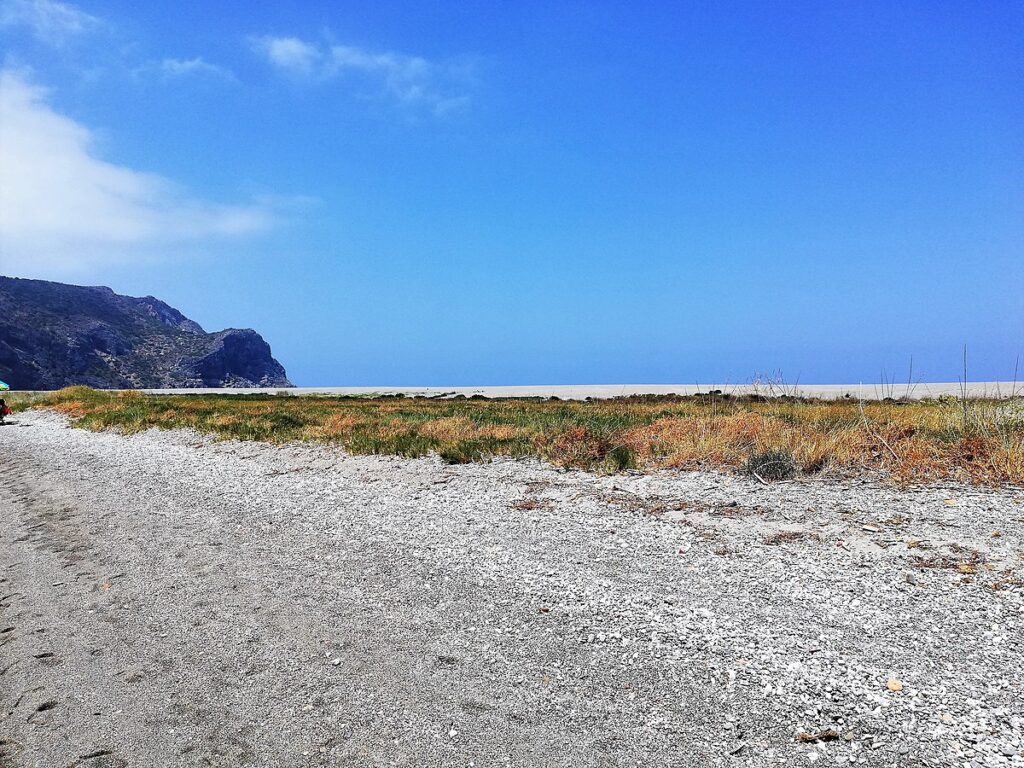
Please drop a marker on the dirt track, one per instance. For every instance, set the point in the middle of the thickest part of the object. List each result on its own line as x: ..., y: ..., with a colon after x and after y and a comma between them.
x: 169, y: 601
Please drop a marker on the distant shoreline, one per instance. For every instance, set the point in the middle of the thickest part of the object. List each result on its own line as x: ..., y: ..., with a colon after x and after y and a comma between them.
x: 917, y: 391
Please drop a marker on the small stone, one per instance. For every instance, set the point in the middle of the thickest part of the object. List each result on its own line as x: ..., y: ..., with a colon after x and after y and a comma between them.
x: 894, y: 685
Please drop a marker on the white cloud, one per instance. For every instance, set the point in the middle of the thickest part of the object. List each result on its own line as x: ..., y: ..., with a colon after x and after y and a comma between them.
x: 65, y: 210
x: 48, y: 20
x: 411, y: 81
x: 196, y: 66
x: 289, y: 53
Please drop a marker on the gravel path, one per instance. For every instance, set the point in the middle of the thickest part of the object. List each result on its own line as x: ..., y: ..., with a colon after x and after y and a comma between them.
x: 166, y: 600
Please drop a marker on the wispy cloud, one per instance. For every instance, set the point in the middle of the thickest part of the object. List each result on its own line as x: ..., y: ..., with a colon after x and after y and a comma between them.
x: 47, y: 20
x: 195, y: 67
x: 63, y: 209
x: 410, y: 81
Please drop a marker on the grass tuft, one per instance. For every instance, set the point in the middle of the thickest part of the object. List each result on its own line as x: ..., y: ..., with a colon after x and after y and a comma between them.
x: 771, y: 465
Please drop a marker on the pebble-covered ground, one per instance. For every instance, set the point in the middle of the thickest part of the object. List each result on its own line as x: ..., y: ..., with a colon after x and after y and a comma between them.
x: 166, y: 600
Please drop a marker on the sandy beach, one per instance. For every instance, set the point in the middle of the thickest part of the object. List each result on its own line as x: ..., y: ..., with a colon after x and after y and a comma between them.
x: 996, y: 389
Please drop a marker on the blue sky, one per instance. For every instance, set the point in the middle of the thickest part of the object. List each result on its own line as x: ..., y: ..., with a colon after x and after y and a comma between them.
x: 482, y: 193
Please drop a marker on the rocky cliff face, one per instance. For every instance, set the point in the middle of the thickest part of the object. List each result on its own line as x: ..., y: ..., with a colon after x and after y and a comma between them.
x: 54, y: 335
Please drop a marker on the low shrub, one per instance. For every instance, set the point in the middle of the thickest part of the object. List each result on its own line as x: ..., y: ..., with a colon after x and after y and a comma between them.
x: 619, y: 459
x: 771, y: 465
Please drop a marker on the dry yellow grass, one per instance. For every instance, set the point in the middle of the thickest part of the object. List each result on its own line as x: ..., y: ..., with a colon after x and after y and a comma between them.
x: 908, y: 442
x: 455, y: 428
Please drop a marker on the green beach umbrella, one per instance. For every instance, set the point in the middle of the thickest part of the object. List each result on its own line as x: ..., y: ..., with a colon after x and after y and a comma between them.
x: 4, y: 385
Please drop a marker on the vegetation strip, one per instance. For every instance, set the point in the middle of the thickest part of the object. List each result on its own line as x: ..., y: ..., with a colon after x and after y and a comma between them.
x: 980, y: 441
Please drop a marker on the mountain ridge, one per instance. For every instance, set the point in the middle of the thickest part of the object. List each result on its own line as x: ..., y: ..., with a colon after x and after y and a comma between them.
x: 54, y: 335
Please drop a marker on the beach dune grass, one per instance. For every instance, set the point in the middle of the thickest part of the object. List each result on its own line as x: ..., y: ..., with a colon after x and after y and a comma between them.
x: 980, y: 441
